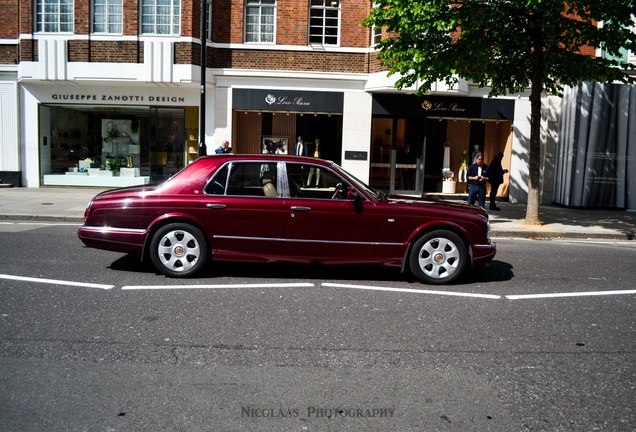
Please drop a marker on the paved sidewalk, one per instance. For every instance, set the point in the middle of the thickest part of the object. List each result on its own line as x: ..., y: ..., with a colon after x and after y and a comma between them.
x: 68, y: 204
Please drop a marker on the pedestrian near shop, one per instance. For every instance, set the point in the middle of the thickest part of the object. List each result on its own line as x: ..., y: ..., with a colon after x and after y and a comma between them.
x: 477, y: 179
x: 495, y: 174
x: 223, y: 148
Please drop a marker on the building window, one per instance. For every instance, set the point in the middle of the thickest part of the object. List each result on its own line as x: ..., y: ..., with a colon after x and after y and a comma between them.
x: 54, y: 16
x: 376, y: 37
x: 260, y: 19
x: 324, y: 22
x: 107, y: 16
x: 376, y: 32
x: 161, y: 17
x: 208, y: 12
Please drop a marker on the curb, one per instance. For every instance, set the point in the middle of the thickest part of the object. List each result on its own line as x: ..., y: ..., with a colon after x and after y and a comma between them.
x: 537, y: 235
x: 41, y: 218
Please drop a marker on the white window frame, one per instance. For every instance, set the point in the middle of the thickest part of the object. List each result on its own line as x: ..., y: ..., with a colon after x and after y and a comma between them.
x: 151, y: 10
x: 321, y: 17
x: 50, y: 14
x: 112, y: 21
x: 256, y: 8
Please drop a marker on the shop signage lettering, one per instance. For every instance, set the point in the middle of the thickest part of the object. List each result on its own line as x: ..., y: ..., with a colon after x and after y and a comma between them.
x: 116, y: 98
x: 442, y: 106
x: 285, y: 100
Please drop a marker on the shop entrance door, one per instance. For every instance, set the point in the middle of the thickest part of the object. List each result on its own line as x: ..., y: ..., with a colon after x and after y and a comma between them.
x: 397, y: 156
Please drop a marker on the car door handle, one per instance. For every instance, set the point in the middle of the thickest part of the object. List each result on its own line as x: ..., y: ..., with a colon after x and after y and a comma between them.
x: 215, y: 206
x: 301, y: 208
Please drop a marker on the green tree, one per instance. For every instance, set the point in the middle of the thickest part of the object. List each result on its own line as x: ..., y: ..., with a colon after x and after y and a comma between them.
x: 509, y: 46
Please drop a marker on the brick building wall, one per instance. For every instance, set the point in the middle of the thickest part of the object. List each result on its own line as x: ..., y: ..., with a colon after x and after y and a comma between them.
x: 291, y: 61
x: 9, y: 24
x: 228, y: 25
x: 291, y: 22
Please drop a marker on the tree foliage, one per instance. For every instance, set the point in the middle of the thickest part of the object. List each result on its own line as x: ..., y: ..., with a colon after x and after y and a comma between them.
x: 508, y: 46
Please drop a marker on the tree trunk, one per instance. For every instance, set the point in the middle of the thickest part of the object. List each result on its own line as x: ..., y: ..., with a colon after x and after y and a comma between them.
x: 534, y: 183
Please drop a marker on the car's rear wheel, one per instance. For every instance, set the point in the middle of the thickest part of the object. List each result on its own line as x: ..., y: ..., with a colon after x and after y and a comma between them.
x: 178, y: 250
x: 438, y: 257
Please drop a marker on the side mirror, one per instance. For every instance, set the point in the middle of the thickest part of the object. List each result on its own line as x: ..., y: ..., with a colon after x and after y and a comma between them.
x: 353, y: 195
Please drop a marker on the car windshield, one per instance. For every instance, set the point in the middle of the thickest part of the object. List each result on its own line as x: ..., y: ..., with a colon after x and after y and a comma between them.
x: 377, y: 193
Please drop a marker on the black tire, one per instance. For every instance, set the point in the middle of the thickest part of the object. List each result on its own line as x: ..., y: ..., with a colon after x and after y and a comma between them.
x: 438, y: 257
x: 179, y: 250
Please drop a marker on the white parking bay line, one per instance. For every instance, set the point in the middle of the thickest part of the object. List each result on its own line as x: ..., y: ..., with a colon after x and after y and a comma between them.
x: 226, y: 286
x: 55, y: 282
x: 412, y: 291
x: 571, y: 294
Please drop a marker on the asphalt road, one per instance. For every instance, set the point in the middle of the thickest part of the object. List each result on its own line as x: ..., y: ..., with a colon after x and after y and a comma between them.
x: 545, y: 339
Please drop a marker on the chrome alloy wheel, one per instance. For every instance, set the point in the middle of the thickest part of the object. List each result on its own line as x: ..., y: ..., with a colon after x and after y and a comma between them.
x: 179, y: 250
x: 438, y: 257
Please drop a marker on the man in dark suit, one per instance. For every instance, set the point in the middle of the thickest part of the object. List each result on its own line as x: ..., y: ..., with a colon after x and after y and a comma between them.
x: 477, y: 181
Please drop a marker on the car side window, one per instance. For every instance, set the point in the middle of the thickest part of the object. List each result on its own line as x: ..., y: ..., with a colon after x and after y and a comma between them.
x: 216, y: 185
x: 245, y: 179
x: 313, y: 181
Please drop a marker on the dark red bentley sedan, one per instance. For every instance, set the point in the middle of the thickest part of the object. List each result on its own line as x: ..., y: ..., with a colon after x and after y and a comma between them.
x: 278, y: 208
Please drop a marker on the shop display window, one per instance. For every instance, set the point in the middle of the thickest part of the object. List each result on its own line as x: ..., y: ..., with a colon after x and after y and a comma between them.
x: 111, y: 146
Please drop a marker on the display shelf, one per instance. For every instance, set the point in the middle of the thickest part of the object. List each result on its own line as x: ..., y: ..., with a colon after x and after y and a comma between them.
x: 93, y: 180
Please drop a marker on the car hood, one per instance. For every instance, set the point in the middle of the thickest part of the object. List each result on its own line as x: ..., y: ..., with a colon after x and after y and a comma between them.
x: 438, y: 205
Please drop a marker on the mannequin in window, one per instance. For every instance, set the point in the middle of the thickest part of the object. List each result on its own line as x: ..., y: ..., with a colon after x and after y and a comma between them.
x: 301, y: 148
x: 313, y: 170
x: 463, y: 167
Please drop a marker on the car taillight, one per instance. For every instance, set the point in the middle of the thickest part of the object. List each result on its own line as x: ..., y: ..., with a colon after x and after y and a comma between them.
x: 87, y: 209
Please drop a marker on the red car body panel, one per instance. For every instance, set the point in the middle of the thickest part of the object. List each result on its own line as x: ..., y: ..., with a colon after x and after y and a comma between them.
x: 282, y: 228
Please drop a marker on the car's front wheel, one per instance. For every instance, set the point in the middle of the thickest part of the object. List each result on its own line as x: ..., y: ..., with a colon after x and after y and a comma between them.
x: 438, y: 257
x: 178, y: 250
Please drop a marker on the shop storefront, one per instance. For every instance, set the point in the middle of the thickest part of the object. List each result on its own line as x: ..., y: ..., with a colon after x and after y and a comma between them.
x: 111, y: 137
x: 424, y: 144
x: 275, y: 121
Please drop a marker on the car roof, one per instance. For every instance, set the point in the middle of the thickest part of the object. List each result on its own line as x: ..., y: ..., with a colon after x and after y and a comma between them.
x: 267, y: 158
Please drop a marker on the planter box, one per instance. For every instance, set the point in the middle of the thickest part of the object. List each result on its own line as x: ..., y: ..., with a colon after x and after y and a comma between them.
x: 99, y: 172
x: 448, y: 187
x: 129, y: 172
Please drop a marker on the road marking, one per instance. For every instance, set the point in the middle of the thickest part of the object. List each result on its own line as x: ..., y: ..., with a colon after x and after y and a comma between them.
x: 412, y: 291
x: 227, y: 286
x: 55, y: 282
x: 572, y: 294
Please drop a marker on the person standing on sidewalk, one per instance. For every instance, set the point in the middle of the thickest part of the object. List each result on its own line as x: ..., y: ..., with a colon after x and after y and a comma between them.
x: 495, y: 175
x: 223, y: 148
x: 477, y: 181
